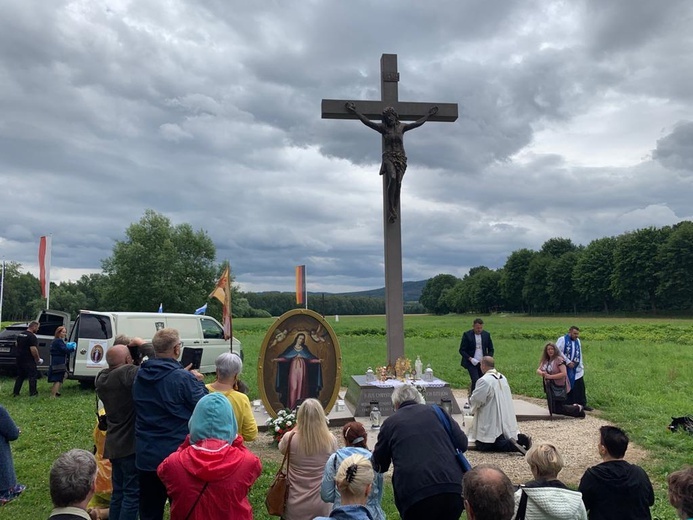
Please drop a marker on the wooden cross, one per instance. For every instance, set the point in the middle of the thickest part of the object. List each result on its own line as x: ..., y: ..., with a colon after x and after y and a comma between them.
x: 407, y: 111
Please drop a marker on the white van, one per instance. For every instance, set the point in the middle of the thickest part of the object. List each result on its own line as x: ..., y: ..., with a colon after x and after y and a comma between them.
x: 94, y: 332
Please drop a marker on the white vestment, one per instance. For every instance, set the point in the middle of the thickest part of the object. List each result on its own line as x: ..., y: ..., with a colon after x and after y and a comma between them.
x: 492, y: 406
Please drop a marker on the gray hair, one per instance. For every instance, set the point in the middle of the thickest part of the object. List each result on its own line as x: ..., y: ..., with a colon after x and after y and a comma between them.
x: 72, y: 477
x: 406, y: 393
x: 165, y: 340
x: 228, y: 365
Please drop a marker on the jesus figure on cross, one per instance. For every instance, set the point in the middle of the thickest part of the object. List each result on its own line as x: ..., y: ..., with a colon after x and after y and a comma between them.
x: 394, y: 158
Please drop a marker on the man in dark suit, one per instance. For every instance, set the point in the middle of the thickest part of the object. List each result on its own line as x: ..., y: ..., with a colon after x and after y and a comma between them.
x: 476, y: 343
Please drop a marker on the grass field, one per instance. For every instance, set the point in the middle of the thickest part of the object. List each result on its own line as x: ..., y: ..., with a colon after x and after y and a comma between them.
x: 638, y: 374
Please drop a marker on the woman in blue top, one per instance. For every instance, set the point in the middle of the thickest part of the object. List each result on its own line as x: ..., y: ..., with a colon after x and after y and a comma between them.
x: 355, y: 438
x: 354, y: 481
x: 58, y: 367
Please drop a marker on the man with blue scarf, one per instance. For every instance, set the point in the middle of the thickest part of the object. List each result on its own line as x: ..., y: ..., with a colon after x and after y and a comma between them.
x: 570, y: 347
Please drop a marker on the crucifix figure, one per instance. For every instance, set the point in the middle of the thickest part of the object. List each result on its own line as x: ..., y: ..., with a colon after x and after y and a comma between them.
x: 394, y: 163
x: 394, y: 158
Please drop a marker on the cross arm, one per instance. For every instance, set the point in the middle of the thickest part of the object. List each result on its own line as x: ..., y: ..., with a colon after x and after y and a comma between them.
x: 407, y: 111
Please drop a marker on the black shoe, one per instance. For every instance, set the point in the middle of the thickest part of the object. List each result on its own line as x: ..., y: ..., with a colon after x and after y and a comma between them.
x: 524, y: 440
x: 587, y: 408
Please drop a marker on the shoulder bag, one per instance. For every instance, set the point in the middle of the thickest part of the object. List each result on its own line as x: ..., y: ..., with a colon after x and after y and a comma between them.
x: 278, y: 492
x: 558, y: 392
x: 522, y: 508
x: 464, y: 463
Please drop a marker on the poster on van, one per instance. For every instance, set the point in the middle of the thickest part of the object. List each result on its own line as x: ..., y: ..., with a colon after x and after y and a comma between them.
x: 300, y: 358
x: 96, y: 355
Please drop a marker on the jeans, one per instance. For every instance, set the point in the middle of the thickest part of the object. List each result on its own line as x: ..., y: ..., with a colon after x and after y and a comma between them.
x: 153, y: 493
x: 125, y: 498
x: 26, y: 370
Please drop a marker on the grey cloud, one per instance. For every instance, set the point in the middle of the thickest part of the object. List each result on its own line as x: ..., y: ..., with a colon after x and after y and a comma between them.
x: 209, y: 112
x: 675, y: 150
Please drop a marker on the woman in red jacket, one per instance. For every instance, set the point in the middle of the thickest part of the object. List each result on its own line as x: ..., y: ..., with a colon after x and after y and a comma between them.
x: 212, y: 471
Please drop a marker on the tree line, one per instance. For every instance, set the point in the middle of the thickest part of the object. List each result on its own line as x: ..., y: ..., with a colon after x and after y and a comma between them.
x: 646, y: 270
x: 159, y: 263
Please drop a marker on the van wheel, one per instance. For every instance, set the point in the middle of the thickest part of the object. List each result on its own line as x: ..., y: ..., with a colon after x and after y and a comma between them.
x: 86, y: 384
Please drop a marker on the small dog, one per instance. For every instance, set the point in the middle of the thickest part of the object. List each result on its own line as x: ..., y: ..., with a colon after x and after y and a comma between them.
x: 685, y: 423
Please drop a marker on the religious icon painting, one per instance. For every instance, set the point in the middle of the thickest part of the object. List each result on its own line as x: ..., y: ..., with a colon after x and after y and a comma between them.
x: 300, y: 358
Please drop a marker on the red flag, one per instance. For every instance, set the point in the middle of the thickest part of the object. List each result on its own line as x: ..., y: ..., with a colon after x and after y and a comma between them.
x: 44, y: 259
x: 300, y: 285
x: 222, y: 292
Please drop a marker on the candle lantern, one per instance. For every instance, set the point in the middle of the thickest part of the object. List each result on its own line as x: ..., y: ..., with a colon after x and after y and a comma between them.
x: 375, y: 415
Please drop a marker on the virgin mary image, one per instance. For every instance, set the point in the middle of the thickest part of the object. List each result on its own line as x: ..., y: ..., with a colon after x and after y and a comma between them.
x: 299, y: 373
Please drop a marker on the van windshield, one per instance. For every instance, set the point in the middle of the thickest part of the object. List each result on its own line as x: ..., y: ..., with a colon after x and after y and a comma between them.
x: 93, y: 326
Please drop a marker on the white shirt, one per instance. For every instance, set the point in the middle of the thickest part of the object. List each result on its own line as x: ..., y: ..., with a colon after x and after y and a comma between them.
x: 492, y: 405
x: 478, y: 353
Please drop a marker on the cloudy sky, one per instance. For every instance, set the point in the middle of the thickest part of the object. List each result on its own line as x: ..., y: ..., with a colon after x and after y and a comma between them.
x: 576, y: 120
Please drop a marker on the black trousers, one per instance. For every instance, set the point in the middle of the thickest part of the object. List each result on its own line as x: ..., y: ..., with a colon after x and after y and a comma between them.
x: 577, y: 393
x: 474, y: 374
x: 26, y: 370
x: 152, y: 496
x: 446, y: 506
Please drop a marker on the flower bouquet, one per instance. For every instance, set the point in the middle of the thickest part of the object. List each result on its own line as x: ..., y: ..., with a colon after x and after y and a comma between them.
x: 282, y: 424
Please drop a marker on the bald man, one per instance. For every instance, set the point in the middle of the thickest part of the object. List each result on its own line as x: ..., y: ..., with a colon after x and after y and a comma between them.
x: 114, y: 388
x: 488, y: 493
x: 494, y: 427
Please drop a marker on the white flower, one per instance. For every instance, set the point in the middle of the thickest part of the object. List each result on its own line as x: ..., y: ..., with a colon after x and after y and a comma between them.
x: 277, y: 428
x: 288, y: 423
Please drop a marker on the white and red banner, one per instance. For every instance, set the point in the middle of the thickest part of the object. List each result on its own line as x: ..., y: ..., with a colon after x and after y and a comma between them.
x: 44, y: 259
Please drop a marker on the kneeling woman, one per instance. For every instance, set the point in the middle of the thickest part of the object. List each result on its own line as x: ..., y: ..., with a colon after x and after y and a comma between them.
x: 552, y: 369
x: 354, y: 480
x: 212, y: 471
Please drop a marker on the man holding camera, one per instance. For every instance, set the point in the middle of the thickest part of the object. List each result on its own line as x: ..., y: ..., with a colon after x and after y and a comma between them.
x: 114, y: 388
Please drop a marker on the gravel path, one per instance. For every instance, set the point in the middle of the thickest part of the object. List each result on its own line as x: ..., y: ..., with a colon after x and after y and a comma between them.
x: 575, y: 439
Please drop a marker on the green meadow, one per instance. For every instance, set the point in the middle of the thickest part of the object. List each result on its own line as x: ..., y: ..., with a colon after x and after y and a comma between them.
x: 638, y: 375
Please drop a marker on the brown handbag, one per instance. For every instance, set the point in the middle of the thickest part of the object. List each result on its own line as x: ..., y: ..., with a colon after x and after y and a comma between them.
x: 278, y: 492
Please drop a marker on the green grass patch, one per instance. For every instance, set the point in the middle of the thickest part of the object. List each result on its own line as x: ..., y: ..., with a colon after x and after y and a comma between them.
x: 638, y: 374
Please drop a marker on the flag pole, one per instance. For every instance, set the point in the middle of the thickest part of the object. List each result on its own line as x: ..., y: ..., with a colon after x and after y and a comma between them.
x: 228, y: 291
x: 2, y: 288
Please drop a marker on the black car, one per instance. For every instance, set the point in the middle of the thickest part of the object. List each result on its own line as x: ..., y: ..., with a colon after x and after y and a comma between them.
x: 8, y: 344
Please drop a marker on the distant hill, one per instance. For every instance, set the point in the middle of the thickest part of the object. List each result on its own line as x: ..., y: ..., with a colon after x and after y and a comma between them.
x: 412, y: 291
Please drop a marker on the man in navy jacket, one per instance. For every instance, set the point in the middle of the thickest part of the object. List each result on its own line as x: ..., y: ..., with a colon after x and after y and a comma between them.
x: 476, y: 343
x: 165, y: 396
x: 427, y: 478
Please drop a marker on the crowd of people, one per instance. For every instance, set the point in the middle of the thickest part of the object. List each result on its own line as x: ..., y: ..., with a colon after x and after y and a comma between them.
x: 170, y: 437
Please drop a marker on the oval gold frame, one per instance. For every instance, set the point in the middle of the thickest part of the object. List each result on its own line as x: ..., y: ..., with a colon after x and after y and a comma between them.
x: 289, y: 325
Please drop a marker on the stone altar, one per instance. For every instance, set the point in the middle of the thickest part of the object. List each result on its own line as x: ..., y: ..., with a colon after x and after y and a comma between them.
x: 360, y: 393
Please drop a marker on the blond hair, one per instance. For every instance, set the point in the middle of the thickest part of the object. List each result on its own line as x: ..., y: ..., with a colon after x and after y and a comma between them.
x: 311, y: 425
x: 354, y: 475
x: 544, y: 461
